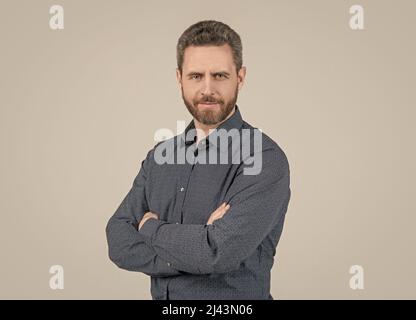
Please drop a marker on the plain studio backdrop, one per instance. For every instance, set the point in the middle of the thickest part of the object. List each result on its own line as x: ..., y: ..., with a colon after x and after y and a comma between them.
x: 80, y: 107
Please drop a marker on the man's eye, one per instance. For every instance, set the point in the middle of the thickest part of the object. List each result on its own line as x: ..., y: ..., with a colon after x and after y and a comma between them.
x: 195, y: 76
x: 220, y: 76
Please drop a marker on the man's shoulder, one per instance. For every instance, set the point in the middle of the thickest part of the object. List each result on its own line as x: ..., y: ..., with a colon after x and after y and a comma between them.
x: 269, y: 147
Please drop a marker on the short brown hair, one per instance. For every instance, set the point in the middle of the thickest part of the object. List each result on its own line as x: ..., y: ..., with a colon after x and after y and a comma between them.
x: 210, y: 32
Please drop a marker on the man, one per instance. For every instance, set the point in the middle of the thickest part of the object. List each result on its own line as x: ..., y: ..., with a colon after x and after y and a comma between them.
x: 205, y: 229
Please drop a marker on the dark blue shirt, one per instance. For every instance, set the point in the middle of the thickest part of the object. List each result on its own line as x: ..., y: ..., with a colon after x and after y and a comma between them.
x: 186, y: 258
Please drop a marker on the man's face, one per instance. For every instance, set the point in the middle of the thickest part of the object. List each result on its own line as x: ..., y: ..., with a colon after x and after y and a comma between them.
x: 210, y: 82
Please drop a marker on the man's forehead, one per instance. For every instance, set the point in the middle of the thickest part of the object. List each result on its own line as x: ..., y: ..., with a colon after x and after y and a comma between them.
x: 212, y: 58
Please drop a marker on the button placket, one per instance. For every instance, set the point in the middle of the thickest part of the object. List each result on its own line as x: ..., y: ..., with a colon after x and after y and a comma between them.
x: 185, y: 180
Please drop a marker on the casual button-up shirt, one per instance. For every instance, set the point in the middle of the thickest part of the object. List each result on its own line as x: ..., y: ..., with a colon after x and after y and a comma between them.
x: 185, y: 257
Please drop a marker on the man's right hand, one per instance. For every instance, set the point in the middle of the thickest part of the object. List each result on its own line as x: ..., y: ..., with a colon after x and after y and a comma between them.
x: 218, y: 213
x: 147, y: 216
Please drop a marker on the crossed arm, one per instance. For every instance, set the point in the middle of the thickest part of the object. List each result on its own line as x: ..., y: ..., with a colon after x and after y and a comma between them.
x: 217, y: 214
x: 138, y: 241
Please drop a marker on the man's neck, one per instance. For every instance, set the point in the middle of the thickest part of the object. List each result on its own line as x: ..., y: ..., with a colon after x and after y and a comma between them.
x: 204, y: 128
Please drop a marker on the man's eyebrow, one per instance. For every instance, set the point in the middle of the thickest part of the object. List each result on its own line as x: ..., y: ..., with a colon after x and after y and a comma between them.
x: 192, y: 73
x: 221, y: 72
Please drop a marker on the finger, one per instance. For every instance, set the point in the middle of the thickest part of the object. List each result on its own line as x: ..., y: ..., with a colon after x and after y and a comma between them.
x: 219, y: 211
x: 219, y: 215
x: 221, y: 207
x: 216, y: 214
x: 224, y: 211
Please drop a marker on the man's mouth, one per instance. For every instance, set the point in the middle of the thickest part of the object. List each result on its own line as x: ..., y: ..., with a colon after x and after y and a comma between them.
x: 208, y: 104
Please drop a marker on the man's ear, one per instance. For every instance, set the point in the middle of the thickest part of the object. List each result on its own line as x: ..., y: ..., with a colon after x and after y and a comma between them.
x: 241, y: 75
x: 179, y: 77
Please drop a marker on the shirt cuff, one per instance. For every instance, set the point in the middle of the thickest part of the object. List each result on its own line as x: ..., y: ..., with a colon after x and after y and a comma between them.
x: 149, y: 228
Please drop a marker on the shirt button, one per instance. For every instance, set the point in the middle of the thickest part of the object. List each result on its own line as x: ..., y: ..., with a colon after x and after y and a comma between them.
x: 177, y: 222
x: 168, y: 264
x: 182, y: 189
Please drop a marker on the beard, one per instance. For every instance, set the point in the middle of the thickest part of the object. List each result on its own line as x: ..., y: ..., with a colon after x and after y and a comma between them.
x: 214, y: 116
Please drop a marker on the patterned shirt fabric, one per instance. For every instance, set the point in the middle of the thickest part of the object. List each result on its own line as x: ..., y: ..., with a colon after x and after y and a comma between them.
x: 186, y: 258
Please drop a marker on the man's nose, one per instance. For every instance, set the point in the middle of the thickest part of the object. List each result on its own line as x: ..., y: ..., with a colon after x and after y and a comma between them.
x: 208, y: 87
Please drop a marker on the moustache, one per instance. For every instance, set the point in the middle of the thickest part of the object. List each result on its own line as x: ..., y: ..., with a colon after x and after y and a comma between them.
x: 209, y: 100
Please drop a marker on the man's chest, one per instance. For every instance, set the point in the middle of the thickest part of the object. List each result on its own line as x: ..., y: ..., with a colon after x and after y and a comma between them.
x: 187, y: 193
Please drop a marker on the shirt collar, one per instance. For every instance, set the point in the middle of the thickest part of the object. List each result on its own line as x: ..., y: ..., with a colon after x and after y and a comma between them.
x: 233, y: 122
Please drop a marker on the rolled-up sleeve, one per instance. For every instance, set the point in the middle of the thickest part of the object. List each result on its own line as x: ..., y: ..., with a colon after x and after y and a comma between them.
x: 257, y: 204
